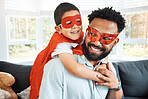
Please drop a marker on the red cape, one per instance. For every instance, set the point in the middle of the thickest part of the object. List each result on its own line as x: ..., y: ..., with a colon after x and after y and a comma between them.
x: 44, y: 56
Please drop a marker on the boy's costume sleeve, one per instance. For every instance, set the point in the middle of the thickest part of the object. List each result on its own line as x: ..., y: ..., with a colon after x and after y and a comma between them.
x: 63, y: 48
x: 44, y: 56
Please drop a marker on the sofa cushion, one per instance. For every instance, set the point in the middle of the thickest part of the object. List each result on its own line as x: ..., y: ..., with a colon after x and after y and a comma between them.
x: 135, y: 98
x: 134, y: 78
x: 21, y: 74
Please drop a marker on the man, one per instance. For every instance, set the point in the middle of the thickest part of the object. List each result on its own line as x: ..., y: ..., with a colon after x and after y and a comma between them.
x: 104, y: 27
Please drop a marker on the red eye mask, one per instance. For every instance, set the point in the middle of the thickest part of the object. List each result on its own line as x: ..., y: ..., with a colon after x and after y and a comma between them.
x: 106, y: 39
x: 69, y: 21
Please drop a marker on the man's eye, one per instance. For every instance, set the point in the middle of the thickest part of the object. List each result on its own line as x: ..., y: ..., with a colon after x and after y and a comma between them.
x: 68, y: 22
x: 106, y: 38
x: 93, y: 34
x: 78, y: 20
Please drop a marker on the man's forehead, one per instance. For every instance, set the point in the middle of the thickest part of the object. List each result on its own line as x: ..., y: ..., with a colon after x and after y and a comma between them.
x: 104, y: 26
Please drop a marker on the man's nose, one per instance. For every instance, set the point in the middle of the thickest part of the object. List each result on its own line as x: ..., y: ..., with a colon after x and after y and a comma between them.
x: 98, y: 43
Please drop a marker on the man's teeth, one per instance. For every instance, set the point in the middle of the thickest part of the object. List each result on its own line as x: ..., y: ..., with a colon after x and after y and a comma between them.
x: 94, y: 49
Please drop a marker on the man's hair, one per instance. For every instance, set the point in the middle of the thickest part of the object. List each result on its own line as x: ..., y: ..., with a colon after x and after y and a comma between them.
x: 61, y: 9
x: 110, y: 15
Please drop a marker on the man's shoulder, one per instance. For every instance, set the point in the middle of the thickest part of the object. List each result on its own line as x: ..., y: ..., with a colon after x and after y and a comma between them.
x: 55, y: 60
x: 58, y: 61
x: 53, y: 63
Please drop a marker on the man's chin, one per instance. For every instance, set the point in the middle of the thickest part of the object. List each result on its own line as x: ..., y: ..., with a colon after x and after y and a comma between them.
x: 96, y: 56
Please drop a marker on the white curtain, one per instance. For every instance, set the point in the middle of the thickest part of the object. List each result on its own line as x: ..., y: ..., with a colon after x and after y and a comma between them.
x: 81, y: 4
x: 23, y: 5
x: 48, y: 5
x: 135, y: 3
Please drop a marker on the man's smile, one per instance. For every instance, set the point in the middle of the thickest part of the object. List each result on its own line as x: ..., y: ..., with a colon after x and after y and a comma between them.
x: 95, y: 49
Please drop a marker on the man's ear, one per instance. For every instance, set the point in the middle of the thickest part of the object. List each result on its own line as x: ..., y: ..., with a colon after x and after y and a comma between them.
x: 116, y: 41
x: 58, y: 29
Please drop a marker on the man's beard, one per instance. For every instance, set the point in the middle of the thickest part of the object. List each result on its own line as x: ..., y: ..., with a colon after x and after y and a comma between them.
x: 93, y: 56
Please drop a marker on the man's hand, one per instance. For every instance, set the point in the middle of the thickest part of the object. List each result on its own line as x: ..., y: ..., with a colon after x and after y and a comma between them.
x: 110, y: 79
x: 101, y: 66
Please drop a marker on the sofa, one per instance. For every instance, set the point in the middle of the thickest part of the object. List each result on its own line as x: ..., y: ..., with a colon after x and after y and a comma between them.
x: 133, y: 76
x: 21, y: 74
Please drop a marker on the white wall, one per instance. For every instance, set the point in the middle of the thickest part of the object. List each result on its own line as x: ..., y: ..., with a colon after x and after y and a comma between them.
x: 3, y: 37
x: 81, y: 4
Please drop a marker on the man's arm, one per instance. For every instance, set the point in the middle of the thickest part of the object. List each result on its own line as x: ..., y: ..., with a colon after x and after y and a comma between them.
x: 111, y: 81
x: 52, y: 81
x: 115, y: 94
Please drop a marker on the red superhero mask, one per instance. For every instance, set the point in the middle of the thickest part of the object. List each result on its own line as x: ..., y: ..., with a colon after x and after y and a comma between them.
x: 106, y: 39
x: 69, y: 21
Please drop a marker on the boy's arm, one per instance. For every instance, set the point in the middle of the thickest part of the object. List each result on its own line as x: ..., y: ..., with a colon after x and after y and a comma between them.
x: 77, y: 69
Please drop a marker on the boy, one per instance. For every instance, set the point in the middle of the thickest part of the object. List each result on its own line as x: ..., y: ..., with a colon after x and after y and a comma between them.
x: 67, y: 36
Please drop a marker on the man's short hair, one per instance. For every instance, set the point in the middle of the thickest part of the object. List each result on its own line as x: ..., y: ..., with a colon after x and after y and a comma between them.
x: 110, y: 15
x: 61, y: 9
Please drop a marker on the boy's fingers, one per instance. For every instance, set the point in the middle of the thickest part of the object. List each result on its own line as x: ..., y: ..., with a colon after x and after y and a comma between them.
x: 105, y: 72
x: 98, y: 68
x: 102, y: 66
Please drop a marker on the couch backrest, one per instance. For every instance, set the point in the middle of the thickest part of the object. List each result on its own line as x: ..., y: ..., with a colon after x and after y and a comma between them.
x: 21, y: 74
x: 134, y: 77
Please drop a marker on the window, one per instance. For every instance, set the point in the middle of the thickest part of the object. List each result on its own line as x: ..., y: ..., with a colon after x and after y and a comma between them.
x: 22, y: 36
x: 136, y: 35
x: 133, y: 43
x: 48, y: 29
x: 29, y: 30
